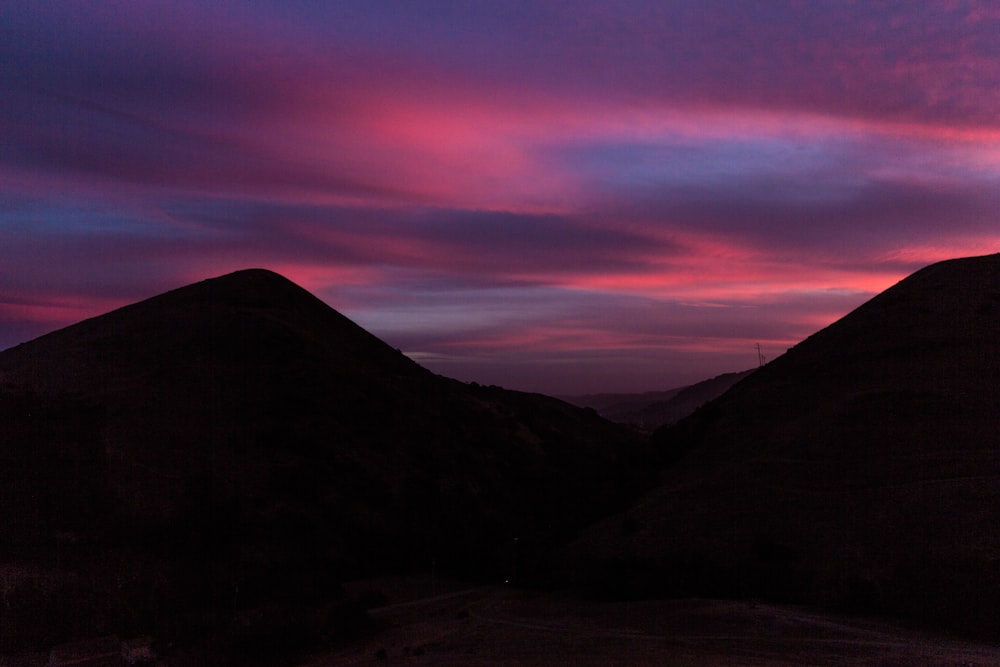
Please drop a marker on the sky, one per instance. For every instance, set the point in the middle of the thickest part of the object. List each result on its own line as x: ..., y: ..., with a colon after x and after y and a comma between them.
x: 565, y: 197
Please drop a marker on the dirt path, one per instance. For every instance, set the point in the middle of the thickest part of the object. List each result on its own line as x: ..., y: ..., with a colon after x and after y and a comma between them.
x: 482, y: 627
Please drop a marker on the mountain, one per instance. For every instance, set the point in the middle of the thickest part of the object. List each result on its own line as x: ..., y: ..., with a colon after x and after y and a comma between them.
x: 651, y: 410
x: 237, y: 443
x: 615, y: 403
x: 860, y: 469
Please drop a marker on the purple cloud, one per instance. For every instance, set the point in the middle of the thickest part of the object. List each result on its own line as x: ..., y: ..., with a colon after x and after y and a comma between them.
x: 619, y: 193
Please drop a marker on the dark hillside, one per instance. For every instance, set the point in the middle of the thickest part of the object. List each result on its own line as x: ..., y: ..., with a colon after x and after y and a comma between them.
x: 859, y: 470
x: 237, y: 444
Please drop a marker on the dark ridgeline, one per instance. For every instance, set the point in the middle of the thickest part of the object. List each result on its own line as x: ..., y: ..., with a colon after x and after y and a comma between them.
x: 212, y: 462
x: 236, y: 448
x: 859, y: 470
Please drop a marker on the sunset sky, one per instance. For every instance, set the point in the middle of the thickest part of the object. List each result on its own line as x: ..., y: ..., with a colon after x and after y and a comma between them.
x: 564, y: 197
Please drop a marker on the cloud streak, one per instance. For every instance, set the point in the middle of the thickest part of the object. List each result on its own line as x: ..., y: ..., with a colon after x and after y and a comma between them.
x: 621, y: 195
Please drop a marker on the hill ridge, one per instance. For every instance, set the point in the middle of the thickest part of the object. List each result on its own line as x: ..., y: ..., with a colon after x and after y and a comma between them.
x: 238, y: 443
x: 858, y: 469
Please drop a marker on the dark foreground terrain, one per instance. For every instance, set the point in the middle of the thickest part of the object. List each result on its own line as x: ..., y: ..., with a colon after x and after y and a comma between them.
x: 480, y: 626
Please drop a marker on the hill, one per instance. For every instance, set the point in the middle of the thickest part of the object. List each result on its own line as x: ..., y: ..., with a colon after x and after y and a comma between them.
x: 237, y: 444
x: 859, y: 470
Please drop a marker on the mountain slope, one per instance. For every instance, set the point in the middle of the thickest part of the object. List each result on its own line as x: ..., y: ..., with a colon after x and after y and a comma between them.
x: 240, y: 435
x: 213, y: 364
x: 859, y: 469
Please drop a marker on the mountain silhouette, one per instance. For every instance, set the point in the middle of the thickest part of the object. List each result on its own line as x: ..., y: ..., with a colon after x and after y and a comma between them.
x: 237, y: 441
x: 859, y: 470
x: 651, y: 410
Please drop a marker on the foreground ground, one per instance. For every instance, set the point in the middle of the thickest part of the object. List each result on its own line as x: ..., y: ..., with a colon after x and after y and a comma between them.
x: 444, y: 624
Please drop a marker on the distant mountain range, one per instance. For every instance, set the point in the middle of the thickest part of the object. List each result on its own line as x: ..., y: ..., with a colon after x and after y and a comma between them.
x: 861, y: 469
x: 207, y: 466
x: 651, y: 410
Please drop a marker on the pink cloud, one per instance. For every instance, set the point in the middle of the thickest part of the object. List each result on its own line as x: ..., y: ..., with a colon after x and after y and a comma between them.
x: 750, y: 172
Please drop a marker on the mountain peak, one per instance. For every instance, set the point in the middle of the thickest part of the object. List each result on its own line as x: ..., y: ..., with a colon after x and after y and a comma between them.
x: 247, y: 287
x: 253, y: 314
